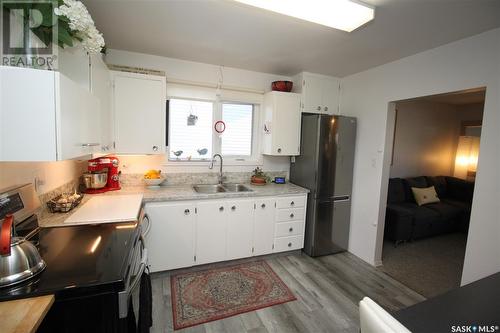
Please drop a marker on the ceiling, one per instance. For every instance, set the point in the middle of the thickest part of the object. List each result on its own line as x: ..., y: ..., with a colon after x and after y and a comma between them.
x: 224, y: 32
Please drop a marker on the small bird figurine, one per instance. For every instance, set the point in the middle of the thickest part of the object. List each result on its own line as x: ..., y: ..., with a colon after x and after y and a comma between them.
x: 178, y: 153
x: 203, y: 151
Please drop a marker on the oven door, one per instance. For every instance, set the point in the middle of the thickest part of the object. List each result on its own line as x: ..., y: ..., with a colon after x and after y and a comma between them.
x: 132, y: 281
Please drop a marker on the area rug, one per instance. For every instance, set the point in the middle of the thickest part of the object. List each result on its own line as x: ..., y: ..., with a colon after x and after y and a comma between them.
x: 204, y: 296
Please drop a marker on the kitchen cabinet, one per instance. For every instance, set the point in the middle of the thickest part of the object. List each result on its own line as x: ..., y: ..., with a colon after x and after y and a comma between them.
x: 139, y: 110
x: 282, y: 116
x: 171, y: 240
x: 263, y: 232
x: 101, y: 87
x: 319, y: 93
x: 74, y: 63
x: 45, y: 116
x: 211, y: 228
x: 240, y: 226
x: 188, y: 233
x: 290, y: 223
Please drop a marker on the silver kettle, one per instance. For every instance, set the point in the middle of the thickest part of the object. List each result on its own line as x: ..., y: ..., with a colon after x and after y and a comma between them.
x: 19, y: 258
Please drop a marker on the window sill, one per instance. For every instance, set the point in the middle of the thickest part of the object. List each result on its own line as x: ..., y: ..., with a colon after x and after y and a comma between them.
x: 226, y: 162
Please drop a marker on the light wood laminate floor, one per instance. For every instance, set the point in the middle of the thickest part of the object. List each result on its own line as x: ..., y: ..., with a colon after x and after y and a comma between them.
x: 327, y: 288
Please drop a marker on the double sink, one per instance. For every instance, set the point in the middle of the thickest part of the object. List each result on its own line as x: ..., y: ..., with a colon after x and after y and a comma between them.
x: 220, y: 188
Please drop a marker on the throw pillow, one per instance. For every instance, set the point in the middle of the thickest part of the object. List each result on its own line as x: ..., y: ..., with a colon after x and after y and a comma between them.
x: 425, y: 195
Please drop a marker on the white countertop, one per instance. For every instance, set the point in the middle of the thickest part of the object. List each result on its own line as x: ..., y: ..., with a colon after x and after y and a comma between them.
x: 107, y: 209
x: 160, y: 194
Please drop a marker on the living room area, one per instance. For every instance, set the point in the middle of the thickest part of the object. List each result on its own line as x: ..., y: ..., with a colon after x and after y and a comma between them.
x: 430, y: 191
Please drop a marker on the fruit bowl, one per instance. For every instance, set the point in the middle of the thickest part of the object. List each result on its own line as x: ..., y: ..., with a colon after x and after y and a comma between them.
x: 154, y: 182
x: 153, y: 177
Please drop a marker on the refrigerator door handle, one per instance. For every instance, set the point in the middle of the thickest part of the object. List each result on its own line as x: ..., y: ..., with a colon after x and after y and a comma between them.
x: 341, y: 198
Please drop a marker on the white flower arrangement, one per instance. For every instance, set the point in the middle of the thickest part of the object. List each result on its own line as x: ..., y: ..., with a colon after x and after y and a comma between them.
x: 74, y: 15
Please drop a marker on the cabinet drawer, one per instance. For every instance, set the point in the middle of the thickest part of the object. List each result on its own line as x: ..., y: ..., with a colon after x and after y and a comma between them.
x: 293, y: 214
x: 288, y: 243
x: 289, y: 229
x: 291, y: 202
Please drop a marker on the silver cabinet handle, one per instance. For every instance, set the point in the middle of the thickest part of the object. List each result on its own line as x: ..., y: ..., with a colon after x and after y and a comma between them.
x: 289, y: 244
x: 291, y: 229
x: 292, y: 203
x: 90, y: 144
x: 233, y: 208
x: 279, y: 150
x: 155, y: 148
x: 318, y: 108
x: 263, y: 205
x: 326, y: 108
x: 221, y: 208
x: 291, y: 215
x: 186, y: 211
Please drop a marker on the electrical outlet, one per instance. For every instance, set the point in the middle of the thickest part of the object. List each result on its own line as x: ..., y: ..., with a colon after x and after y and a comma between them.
x: 38, y: 177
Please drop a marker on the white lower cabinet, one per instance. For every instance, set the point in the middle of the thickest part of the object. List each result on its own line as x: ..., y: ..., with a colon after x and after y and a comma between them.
x: 290, y: 223
x: 240, y: 228
x: 188, y: 233
x: 211, y: 225
x: 171, y: 240
x: 263, y: 229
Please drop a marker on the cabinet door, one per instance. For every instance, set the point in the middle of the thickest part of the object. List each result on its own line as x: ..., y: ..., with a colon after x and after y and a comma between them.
x: 286, y: 124
x: 312, y: 94
x: 263, y: 232
x: 27, y: 125
x: 171, y: 240
x: 330, y: 93
x: 78, y: 120
x: 211, y: 227
x: 74, y: 63
x: 100, y: 86
x: 240, y: 228
x: 139, y: 110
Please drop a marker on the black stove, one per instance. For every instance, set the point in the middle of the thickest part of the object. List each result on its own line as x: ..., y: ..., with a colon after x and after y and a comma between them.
x: 92, y: 270
x: 79, y: 259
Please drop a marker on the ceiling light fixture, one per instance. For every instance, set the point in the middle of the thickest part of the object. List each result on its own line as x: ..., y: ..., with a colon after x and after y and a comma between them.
x: 345, y: 15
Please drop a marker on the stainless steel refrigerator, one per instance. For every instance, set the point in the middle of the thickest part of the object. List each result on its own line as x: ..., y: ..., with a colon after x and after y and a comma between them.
x: 325, y: 167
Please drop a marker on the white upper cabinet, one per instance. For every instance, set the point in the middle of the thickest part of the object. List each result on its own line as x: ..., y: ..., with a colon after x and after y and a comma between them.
x: 281, y: 128
x: 45, y: 116
x: 139, y: 103
x: 319, y: 93
x: 101, y: 87
x: 74, y: 63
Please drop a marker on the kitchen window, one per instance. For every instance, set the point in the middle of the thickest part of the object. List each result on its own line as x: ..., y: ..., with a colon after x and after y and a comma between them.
x: 192, y: 137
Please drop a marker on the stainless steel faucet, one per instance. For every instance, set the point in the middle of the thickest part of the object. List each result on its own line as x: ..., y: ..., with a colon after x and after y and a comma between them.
x: 211, y: 166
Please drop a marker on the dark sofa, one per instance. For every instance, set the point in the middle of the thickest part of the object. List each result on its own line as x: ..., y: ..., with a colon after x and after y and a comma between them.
x: 405, y: 220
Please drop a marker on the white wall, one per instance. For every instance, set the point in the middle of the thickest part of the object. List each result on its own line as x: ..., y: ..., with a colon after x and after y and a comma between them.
x: 53, y: 174
x: 424, y: 139
x: 468, y: 63
x: 202, y: 73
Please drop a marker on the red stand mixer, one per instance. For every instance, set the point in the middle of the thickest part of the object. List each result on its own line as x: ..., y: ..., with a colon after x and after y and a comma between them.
x: 103, y: 175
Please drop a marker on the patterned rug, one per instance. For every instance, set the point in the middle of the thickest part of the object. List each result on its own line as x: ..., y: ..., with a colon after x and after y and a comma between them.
x: 200, y: 297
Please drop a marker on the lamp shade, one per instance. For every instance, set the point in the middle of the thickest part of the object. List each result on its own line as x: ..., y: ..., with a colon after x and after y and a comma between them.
x: 466, y: 156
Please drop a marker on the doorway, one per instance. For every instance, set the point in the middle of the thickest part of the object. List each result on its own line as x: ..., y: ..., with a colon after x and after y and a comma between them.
x: 435, y: 149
